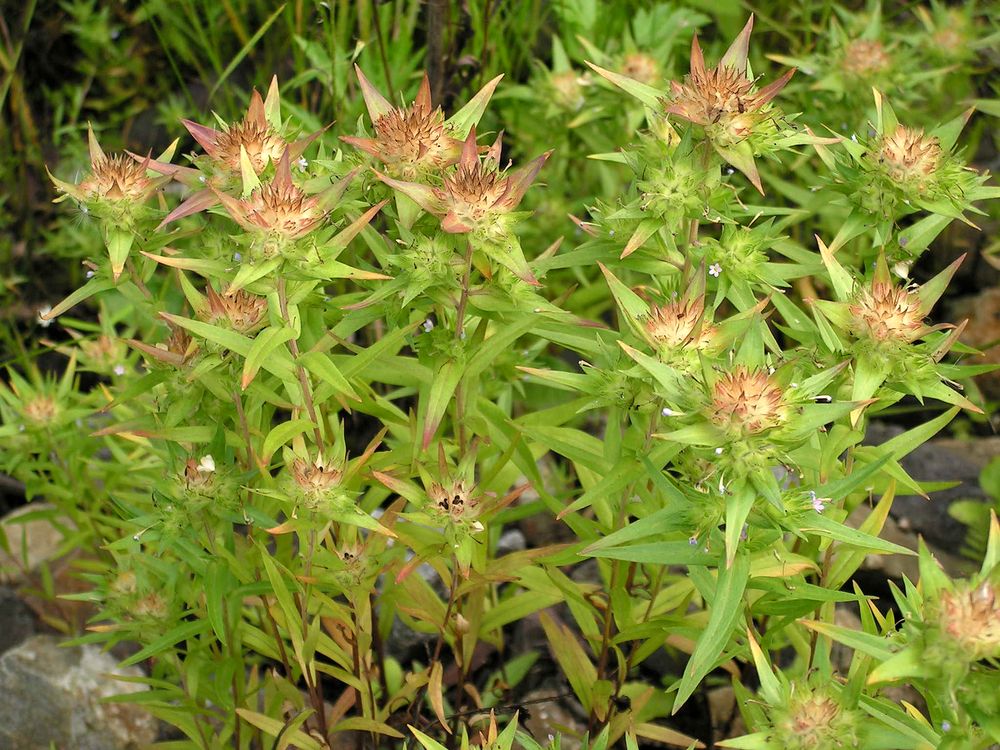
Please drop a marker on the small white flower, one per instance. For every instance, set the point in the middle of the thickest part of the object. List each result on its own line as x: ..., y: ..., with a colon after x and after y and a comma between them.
x: 90, y: 274
x: 715, y: 270
x: 667, y: 412
x: 119, y: 369
x: 42, y: 312
x: 237, y: 257
x: 718, y: 451
x: 818, y: 503
x: 206, y: 464
x: 693, y: 541
x: 428, y: 325
x: 302, y: 162
x: 201, y: 178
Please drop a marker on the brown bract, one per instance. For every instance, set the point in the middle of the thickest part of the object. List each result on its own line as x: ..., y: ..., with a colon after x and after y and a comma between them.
x: 315, y: 478
x: 279, y: 207
x: 409, y: 141
x: 454, y: 501
x: 885, y: 312
x: 748, y: 401
x: 477, y: 192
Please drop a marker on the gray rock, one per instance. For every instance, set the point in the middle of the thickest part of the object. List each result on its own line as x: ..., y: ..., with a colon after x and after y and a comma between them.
x: 16, y: 620
x: 50, y: 696
x: 38, y: 539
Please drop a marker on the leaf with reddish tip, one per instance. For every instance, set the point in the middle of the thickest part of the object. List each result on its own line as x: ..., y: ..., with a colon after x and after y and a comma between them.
x: 352, y: 230
x: 423, y: 99
x: 770, y: 91
x: 235, y: 209
x: 66, y: 188
x: 697, y: 67
x: 205, y: 136
x: 200, y: 201
x: 741, y: 157
x: 377, y: 104
x: 520, y: 180
x: 368, y: 145
x: 272, y: 104
x: 119, y: 242
x: 96, y: 153
x: 643, y: 232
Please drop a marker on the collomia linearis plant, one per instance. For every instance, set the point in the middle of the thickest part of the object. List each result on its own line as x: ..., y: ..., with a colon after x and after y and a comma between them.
x: 340, y: 369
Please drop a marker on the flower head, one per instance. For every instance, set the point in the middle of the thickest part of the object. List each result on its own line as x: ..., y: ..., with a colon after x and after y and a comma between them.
x: 243, y: 311
x: 908, y: 156
x: 454, y: 501
x: 883, y: 312
x: 680, y: 324
x: 814, y: 720
x: 747, y: 401
x: 117, y: 179
x: 477, y: 193
x: 725, y: 100
x: 409, y: 141
x: 317, y: 477
x: 641, y: 67
x: 278, y: 207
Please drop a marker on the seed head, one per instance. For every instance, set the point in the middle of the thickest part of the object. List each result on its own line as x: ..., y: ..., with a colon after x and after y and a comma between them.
x: 453, y: 501
x: 316, y: 478
x: 117, y: 178
x: 813, y: 720
x: 641, y: 67
x: 747, y: 401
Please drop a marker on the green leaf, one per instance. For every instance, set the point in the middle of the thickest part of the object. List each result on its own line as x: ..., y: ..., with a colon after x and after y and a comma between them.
x: 725, y: 611
x: 119, y: 242
x: 575, y: 663
x: 173, y: 637
x: 281, y: 434
x: 266, y: 342
x: 439, y: 395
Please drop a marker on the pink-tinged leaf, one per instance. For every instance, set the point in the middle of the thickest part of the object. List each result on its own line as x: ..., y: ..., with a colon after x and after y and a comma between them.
x: 235, y: 208
x: 643, y: 232
x: 453, y: 225
x: 282, y: 179
x: 154, y: 352
x: 470, y: 151
x: 205, y: 136
x: 255, y: 112
x: 377, y: 104
x: 520, y: 180
x: 493, y: 152
x: 646, y: 94
x: 469, y: 115
x: 770, y: 91
x: 329, y: 197
x: 423, y: 195
x: 736, y: 55
x: 181, y: 174
x: 367, y: 145
x: 96, y: 153
x: 297, y: 148
x: 200, y: 201
x: 585, y: 226
x: 423, y: 99
x: 697, y: 60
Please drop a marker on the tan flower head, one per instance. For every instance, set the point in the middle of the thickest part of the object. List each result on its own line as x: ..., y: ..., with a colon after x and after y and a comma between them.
x: 567, y: 89
x: 176, y: 351
x: 814, y: 720
x: 746, y: 401
x: 409, y: 141
x: 244, y: 311
x: 477, y: 193
x: 865, y: 58
x: 42, y: 409
x: 278, y: 207
x: 255, y: 133
x: 680, y: 324
x: 118, y: 178
x: 723, y: 99
x: 971, y: 617
x: 885, y: 312
x: 909, y: 156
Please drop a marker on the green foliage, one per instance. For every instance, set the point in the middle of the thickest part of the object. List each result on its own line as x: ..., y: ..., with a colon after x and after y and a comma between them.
x: 333, y: 366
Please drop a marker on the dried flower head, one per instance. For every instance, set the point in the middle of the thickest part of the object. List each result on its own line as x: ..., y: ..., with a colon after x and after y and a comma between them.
x: 409, y: 141
x: 908, y: 156
x: 278, y: 207
x: 680, y: 324
x: 865, y: 58
x: 725, y: 100
x: 243, y: 311
x: 477, y: 193
x: 567, y: 90
x: 886, y: 312
x: 152, y: 606
x: 199, y: 474
x: 971, y: 618
x: 746, y: 401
